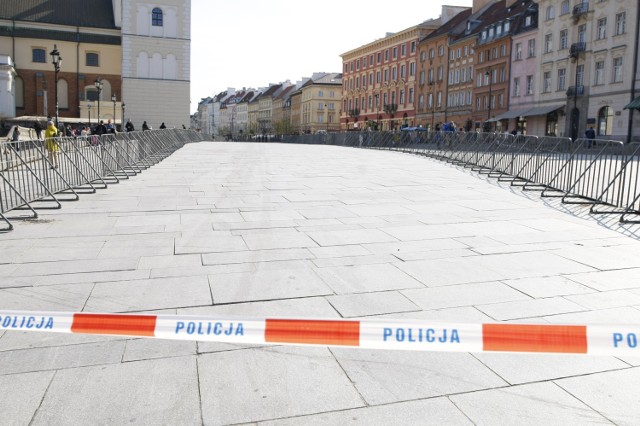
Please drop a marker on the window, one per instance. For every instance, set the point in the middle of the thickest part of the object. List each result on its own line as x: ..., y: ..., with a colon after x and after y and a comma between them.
x: 562, y: 79
x: 551, y: 13
x: 423, y: 56
x: 532, y: 47
x: 564, y: 7
x: 602, y: 28
x: 430, y: 100
x: 507, y: 25
x: 412, y: 69
x: 499, y: 30
x: 379, y: 57
x: 402, y: 97
x: 452, y: 55
x: 439, y: 99
x: 441, y: 51
x: 518, y: 51
x: 599, y: 78
x: 564, y: 39
x: 582, y: 33
x: 411, y: 96
x: 403, y: 71
x: 620, y: 23
x: 378, y: 77
x: 413, y: 47
x: 431, y: 76
x: 546, y: 82
x: 432, y: 53
x: 403, y: 50
x: 386, y: 55
x: 529, y: 85
x: 156, y: 17
x: 421, y: 102
x: 580, y: 75
x: 358, y: 64
x: 386, y: 74
x: 38, y: 55
x: 440, y: 73
x: 394, y: 74
x: 395, y: 52
x: 617, y: 70
x: 527, y: 21
x: 503, y: 50
x: 548, y: 43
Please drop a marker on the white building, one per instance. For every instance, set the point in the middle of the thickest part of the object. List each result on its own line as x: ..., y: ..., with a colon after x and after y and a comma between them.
x: 156, y: 49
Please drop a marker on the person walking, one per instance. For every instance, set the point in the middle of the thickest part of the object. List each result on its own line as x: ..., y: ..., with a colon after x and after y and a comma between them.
x: 100, y: 129
x: 15, y: 138
x: 38, y: 128
x: 52, y: 145
x: 145, y: 126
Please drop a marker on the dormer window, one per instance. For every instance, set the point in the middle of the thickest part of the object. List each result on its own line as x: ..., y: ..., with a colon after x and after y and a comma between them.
x: 499, y: 29
x: 156, y: 17
x: 484, y: 35
x: 507, y: 26
x: 490, y: 32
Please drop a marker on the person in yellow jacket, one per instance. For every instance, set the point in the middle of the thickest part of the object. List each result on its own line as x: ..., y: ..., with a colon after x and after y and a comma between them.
x: 52, y: 145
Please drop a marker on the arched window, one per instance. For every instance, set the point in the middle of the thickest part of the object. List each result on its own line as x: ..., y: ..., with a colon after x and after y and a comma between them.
x: 605, y: 121
x: 156, y: 17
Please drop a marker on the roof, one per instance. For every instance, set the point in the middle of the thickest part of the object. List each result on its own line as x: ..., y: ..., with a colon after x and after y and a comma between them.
x: 449, y: 25
x: 83, y: 13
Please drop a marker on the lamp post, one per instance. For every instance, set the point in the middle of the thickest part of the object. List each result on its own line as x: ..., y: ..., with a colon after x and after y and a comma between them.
x: 327, y: 108
x: 114, y: 99
x: 122, y: 122
x: 56, y: 59
x: 488, y: 74
x: 89, y: 109
x: 98, y: 84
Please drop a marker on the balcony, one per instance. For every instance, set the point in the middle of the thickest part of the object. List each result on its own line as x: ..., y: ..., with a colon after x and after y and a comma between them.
x: 576, y: 49
x: 575, y: 91
x: 580, y: 9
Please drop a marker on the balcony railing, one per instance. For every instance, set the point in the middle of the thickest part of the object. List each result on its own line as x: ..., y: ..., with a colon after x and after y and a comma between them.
x: 575, y: 91
x: 576, y: 49
x: 580, y: 9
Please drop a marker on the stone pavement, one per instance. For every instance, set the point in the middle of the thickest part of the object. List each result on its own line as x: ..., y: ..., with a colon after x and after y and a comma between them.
x: 315, y: 231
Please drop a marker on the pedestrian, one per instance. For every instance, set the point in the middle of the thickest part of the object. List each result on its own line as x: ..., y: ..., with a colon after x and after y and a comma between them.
x: 84, y: 131
x: 162, y: 126
x: 145, y: 126
x: 15, y: 138
x: 129, y: 126
x: 110, y: 127
x: 100, y: 129
x: 590, y: 135
x: 38, y: 128
x: 52, y: 145
x: 185, y: 128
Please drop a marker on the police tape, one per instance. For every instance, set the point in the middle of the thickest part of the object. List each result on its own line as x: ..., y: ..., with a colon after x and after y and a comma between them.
x: 416, y: 335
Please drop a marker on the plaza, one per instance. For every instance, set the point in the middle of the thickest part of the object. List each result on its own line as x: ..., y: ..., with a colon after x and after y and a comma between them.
x: 305, y: 231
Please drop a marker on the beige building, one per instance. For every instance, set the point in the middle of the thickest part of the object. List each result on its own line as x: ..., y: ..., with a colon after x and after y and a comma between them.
x: 320, y: 103
x: 587, y: 61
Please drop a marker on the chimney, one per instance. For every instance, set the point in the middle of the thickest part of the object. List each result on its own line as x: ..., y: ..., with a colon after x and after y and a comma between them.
x: 449, y: 12
x: 479, y: 4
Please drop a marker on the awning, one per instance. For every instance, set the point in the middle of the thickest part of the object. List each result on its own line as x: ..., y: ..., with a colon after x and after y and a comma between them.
x: 635, y: 104
x: 543, y: 110
x: 512, y: 114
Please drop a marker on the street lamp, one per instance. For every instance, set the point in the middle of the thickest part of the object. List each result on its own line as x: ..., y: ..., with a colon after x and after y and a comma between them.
x: 113, y: 99
x: 122, y: 122
x: 89, y: 108
x: 488, y: 74
x: 56, y: 59
x: 98, y: 84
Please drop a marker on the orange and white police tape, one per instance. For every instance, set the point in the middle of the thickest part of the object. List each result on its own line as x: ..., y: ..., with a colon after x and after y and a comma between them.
x: 417, y: 335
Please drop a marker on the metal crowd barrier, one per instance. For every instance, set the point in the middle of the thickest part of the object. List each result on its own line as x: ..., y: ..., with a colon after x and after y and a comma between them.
x: 604, y: 174
x: 32, y: 178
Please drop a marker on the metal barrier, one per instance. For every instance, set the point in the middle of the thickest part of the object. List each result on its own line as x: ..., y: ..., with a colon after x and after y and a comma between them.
x: 601, y: 173
x: 33, y: 177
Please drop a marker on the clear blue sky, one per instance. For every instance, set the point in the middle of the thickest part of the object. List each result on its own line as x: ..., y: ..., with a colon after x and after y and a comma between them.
x: 251, y: 43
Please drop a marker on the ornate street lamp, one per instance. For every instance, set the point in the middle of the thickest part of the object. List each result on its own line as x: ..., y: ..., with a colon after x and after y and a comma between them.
x: 89, y: 108
x: 98, y: 84
x: 56, y: 59
x: 122, y: 122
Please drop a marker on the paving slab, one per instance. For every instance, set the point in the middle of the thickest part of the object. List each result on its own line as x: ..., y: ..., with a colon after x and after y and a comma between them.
x: 366, y: 279
x: 533, y: 404
x: 613, y: 394
x: 262, y: 384
x: 163, y: 391
x: 21, y: 396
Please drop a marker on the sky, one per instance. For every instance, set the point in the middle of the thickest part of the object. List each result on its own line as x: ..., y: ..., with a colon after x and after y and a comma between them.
x: 252, y: 43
